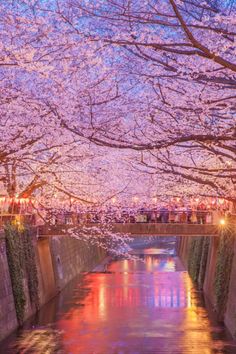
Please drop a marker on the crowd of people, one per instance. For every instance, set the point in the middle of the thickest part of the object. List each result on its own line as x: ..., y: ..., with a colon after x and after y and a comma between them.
x: 198, y: 214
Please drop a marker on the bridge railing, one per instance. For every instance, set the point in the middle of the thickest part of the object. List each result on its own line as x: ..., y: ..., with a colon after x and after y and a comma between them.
x: 141, y: 216
x: 211, y: 217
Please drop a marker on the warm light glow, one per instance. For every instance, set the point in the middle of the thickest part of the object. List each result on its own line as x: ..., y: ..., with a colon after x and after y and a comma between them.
x: 221, y: 201
x: 222, y: 222
x: 102, y: 301
x: 126, y: 265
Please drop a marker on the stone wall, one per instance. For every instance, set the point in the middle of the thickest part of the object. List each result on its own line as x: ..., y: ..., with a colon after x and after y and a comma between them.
x: 8, y: 319
x: 47, y: 285
x: 59, y: 259
x: 183, y: 247
x: 46, y: 277
x: 183, y: 251
x: 208, y: 287
x: 230, y: 315
x: 71, y: 256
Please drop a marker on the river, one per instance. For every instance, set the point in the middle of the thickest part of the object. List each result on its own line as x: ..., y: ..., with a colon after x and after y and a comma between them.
x: 140, y: 306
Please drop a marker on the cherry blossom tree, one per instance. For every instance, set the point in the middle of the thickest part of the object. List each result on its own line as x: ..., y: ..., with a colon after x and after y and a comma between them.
x: 180, y: 55
x: 130, y: 98
x: 47, y: 74
x: 153, y: 80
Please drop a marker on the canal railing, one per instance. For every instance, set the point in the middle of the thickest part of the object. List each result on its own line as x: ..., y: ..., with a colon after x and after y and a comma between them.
x: 188, y: 216
x: 205, y: 224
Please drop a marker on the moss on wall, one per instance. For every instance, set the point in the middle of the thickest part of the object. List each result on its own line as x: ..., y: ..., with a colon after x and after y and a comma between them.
x: 21, y: 261
x: 197, y: 262
x: 15, y: 263
x: 223, y: 270
x: 194, y: 257
x: 203, y: 263
x: 30, y: 266
x: 197, y: 259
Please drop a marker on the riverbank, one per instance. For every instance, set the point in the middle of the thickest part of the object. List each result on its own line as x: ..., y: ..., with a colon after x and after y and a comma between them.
x: 145, y: 305
x: 54, y: 261
x: 211, y: 263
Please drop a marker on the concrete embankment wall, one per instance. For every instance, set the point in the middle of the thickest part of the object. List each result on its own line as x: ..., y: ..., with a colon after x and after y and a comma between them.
x: 8, y: 319
x: 58, y: 259
x: 230, y: 314
x: 210, y: 277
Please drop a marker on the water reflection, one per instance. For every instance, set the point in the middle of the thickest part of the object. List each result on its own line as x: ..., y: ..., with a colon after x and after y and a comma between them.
x: 147, y: 263
x: 147, y: 305
x: 38, y: 341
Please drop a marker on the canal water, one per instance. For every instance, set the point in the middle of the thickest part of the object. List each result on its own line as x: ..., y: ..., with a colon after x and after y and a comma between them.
x: 139, y: 306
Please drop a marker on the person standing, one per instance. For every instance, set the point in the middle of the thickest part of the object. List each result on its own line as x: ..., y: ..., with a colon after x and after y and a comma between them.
x: 172, y: 214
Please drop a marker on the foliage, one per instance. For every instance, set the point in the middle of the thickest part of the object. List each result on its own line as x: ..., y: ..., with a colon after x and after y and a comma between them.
x: 15, y: 262
x: 21, y: 260
x: 114, y: 243
x: 223, y: 270
x: 197, y: 260
x: 155, y: 80
x: 30, y: 266
x: 136, y: 98
x: 202, y: 270
x: 179, y: 55
x: 194, y: 257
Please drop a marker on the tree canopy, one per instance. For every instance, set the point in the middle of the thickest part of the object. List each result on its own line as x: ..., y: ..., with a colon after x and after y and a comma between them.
x: 101, y: 98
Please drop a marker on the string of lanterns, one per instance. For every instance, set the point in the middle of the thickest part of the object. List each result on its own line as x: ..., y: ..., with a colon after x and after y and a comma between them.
x: 10, y: 204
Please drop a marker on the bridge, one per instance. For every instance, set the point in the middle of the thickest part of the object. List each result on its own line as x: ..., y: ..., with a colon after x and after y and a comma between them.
x: 139, y: 229
x: 162, y: 229
x: 132, y: 226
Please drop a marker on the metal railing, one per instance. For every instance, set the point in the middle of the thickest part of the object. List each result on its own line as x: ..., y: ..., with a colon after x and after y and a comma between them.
x: 143, y: 216
x: 123, y: 216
